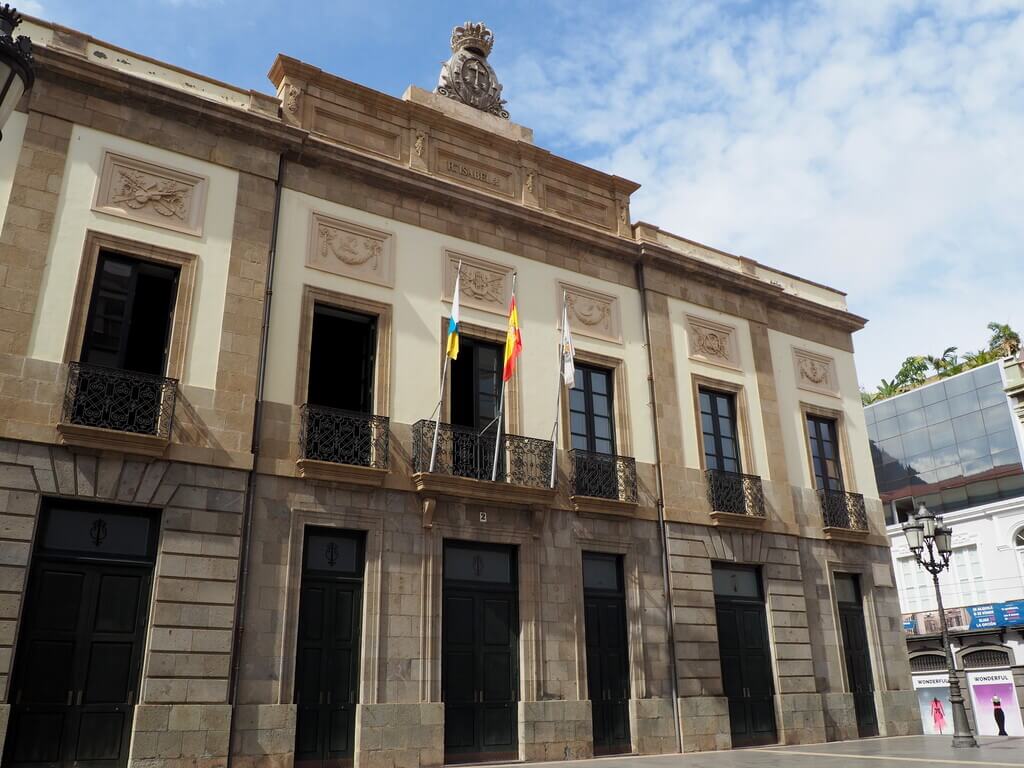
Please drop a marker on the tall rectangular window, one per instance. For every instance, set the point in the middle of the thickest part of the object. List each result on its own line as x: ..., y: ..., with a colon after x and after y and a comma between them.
x: 718, y: 428
x: 969, y: 575
x: 824, y: 446
x: 130, y: 314
x: 342, y: 357
x: 590, y: 410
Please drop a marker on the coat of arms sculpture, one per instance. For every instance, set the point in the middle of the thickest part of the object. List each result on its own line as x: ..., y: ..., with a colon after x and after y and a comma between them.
x: 466, y: 76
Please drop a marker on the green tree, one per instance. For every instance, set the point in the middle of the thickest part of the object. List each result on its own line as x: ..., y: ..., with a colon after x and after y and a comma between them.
x: 912, y: 373
x: 1004, y: 340
x: 947, y: 364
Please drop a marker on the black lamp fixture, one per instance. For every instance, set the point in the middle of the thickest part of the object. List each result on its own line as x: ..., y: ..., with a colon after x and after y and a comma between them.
x: 17, y: 71
x: 931, y: 542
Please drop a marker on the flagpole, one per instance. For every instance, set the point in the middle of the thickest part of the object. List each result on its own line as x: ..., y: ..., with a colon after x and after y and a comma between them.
x: 444, y: 378
x: 501, y: 402
x: 558, y: 395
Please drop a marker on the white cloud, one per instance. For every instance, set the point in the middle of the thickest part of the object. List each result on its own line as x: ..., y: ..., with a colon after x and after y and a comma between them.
x: 872, y: 146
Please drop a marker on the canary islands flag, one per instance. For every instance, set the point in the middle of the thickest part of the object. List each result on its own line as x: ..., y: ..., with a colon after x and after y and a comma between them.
x: 452, y: 348
x: 513, y: 340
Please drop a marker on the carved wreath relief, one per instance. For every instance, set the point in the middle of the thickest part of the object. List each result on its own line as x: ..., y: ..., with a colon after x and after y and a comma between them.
x: 351, y: 250
x: 815, y: 372
x: 712, y: 342
x: 153, y: 194
x: 592, y: 313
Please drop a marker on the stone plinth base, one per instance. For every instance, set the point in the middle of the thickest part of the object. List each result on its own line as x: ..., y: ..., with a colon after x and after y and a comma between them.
x: 705, y: 723
x: 898, y: 713
x: 180, y: 735
x: 263, y: 736
x: 801, y: 718
x: 652, y: 727
x: 5, y: 715
x: 555, y: 730
x: 399, y: 735
x: 840, y: 716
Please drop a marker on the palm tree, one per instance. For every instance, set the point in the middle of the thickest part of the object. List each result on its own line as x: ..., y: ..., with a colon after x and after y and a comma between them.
x: 887, y: 389
x: 946, y: 364
x: 1004, y: 340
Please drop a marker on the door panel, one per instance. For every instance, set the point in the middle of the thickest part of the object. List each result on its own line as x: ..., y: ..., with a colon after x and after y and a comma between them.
x: 80, y: 654
x: 604, y: 611
x: 479, y: 675
x: 746, y: 671
x: 858, y: 668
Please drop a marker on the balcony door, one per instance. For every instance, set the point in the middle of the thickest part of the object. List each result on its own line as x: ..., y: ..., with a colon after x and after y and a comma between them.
x: 130, y: 314
x: 473, y: 400
x: 718, y: 429
x: 342, y: 357
x: 591, y: 418
x: 339, y: 398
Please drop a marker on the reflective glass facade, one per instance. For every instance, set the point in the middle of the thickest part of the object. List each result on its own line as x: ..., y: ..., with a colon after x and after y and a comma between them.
x: 949, y: 445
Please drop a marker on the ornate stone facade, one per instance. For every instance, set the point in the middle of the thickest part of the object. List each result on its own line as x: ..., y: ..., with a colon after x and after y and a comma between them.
x: 136, y: 189
x: 352, y: 250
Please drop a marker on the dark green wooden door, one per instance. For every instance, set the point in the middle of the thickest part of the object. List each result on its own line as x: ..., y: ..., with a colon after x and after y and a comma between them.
x: 858, y: 656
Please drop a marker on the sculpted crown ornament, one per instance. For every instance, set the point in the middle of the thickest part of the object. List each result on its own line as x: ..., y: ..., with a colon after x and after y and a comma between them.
x: 466, y: 76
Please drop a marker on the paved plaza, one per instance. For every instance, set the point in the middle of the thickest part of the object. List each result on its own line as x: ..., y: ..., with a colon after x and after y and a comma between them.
x: 901, y: 752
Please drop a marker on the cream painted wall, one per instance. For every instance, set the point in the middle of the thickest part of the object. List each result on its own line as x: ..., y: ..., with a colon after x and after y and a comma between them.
x: 793, y: 430
x: 10, y: 149
x: 418, y: 311
x: 75, y: 216
x: 686, y: 368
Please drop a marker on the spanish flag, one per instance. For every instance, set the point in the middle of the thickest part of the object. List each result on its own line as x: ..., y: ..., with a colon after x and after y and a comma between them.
x: 513, y: 341
x: 452, y: 348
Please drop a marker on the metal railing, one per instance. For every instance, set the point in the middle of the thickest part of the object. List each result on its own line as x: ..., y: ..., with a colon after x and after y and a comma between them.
x: 343, y: 437
x: 603, y: 475
x: 465, y: 452
x: 126, y: 401
x: 840, y: 509
x: 735, y: 493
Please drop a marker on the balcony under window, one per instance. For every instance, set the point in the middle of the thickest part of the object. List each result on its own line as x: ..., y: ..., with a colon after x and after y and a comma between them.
x: 736, y: 499
x: 464, y: 462
x: 599, y: 478
x: 344, y: 446
x: 843, y: 514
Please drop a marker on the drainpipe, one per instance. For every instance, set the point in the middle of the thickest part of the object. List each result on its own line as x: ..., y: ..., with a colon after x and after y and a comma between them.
x: 662, y: 527
x: 250, y: 487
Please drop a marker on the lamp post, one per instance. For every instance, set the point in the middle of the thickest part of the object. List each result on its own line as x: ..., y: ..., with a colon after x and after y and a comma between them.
x: 17, y: 70
x: 932, y: 544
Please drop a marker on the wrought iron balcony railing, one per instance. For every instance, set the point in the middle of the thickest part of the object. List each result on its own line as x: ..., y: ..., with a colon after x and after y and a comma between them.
x: 603, y: 476
x: 343, y: 437
x: 735, y: 493
x: 125, y: 401
x: 840, y: 509
x: 465, y: 452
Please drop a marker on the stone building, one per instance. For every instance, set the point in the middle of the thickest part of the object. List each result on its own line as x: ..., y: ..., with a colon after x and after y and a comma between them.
x: 224, y: 537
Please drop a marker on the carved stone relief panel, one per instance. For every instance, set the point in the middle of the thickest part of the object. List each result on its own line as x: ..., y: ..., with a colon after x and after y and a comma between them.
x: 815, y: 373
x: 592, y: 313
x: 490, y: 175
x: 351, y: 250
x: 485, y: 284
x: 712, y: 342
x: 150, y: 193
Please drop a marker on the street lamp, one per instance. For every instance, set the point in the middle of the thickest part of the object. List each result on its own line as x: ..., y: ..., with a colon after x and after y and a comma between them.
x: 932, y: 544
x: 17, y: 72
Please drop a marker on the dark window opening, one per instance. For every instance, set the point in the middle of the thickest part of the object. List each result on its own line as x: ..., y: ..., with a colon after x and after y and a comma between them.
x: 824, y: 446
x: 475, y: 384
x: 591, y: 411
x: 341, y: 359
x: 718, y: 429
x: 129, y: 323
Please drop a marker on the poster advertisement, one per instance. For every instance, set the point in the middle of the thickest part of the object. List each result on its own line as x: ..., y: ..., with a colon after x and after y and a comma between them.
x: 994, y: 699
x: 933, y: 702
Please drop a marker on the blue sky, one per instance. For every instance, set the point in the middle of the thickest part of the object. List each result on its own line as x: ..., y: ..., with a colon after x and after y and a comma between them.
x: 874, y: 146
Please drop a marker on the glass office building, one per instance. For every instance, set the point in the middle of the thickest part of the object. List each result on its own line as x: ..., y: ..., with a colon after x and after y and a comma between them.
x: 949, y: 445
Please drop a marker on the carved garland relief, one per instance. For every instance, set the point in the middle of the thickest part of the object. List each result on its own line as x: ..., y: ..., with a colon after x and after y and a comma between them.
x: 485, y: 284
x: 351, y: 250
x: 592, y: 313
x: 712, y: 342
x: 150, y: 193
x: 815, y: 373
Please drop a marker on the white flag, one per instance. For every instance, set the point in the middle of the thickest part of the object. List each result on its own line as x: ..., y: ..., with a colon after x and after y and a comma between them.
x: 568, y: 350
